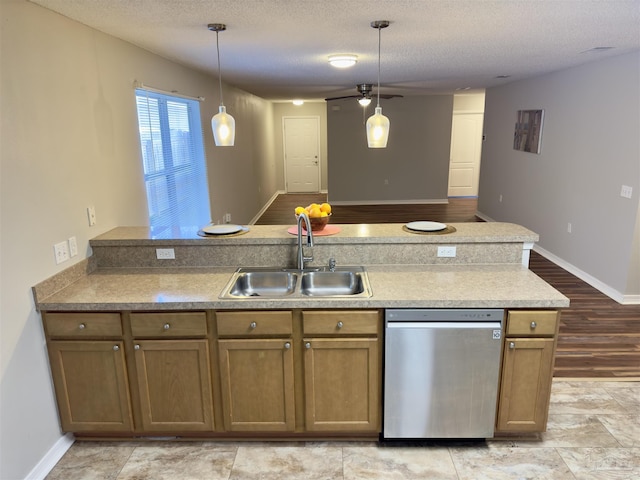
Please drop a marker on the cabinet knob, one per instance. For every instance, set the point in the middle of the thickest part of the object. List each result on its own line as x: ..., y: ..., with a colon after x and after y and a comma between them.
x: 136, y: 347
x: 82, y: 326
x: 512, y: 345
x: 253, y: 325
x: 116, y: 348
x: 287, y: 346
x: 166, y: 326
x: 534, y: 324
x: 307, y: 345
x: 340, y: 325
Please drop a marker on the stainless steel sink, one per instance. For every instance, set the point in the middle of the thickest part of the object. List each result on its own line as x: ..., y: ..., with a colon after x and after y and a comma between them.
x: 331, y: 284
x: 265, y: 282
x: 262, y: 283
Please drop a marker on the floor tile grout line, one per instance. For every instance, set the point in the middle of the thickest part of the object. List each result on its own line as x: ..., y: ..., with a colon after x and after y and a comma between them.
x: 573, y: 474
x: 124, y: 464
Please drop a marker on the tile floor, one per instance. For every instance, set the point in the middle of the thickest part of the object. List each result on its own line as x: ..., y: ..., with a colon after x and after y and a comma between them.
x: 593, y: 433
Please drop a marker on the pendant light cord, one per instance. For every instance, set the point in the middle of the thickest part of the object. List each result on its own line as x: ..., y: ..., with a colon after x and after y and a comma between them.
x: 220, y: 70
x: 379, y: 40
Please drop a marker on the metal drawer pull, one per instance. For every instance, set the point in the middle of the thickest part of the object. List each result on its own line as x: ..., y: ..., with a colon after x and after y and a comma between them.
x: 82, y: 326
x: 307, y: 345
x: 512, y: 345
x: 116, y: 348
x: 287, y: 345
x: 253, y: 324
x: 534, y: 324
x: 340, y: 325
x: 166, y: 326
x: 136, y: 347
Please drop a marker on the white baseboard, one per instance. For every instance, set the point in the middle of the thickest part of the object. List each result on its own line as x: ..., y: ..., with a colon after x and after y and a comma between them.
x: 582, y: 275
x: 265, y: 207
x: 53, y: 456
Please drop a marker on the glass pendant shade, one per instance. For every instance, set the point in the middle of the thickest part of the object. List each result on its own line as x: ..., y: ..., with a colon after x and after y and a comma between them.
x: 224, y: 128
x: 377, y: 130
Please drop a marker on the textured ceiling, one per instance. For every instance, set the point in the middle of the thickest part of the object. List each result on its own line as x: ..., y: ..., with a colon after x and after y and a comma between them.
x: 278, y: 49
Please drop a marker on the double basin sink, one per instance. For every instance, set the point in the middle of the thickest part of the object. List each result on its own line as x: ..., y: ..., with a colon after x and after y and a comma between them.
x: 267, y: 282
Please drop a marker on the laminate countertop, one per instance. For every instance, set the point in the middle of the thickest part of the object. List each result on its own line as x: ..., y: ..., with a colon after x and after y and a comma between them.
x: 448, y: 285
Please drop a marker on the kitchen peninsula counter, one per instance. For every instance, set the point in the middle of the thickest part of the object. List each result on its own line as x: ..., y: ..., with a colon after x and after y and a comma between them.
x: 403, y: 268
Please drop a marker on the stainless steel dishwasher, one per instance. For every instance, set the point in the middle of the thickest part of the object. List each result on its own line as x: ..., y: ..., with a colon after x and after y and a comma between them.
x: 441, y: 373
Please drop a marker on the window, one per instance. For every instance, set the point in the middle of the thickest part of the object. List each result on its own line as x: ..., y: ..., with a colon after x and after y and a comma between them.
x: 173, y: 160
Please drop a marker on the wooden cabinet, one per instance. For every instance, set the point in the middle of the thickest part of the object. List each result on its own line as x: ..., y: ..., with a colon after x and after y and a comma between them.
x: 173, y: 374
x: 342, y: 370
x: 527, y: 370
x: 257, y: 371
x: 89, y: 376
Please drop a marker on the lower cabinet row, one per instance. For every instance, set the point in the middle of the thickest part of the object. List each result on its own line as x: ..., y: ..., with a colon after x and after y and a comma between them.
x: 259, y: 371
x: 270, y: 376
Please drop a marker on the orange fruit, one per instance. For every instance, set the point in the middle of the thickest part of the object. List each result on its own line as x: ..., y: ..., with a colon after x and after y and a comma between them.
x: 315, y: 212
x: 325, y: 207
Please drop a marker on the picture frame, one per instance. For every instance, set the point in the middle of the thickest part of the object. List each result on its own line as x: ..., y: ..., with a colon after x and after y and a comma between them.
x: 528, y: 132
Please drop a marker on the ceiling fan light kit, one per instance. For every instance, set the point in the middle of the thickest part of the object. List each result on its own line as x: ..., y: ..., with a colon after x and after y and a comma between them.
x: 343, y: 60
x: 223, y: 125
x: 378, y: 124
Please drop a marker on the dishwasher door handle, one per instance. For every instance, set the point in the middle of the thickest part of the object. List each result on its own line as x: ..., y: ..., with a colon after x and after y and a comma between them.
x: 441, y: 325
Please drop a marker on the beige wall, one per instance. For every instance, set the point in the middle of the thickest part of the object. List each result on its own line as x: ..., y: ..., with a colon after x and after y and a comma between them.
x: 69, y: 140
x: 413, y: 167
x: 590, y: 148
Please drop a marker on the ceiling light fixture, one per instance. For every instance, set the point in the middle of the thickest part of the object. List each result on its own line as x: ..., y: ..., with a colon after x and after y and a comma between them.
x: 222, y: 124
x: 343, y: 60
x: 378, y: 124
x: 297, y: 102
x: 364, y: 101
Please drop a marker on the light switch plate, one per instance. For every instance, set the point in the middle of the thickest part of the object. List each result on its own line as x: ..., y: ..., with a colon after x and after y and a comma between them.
x: 165, y: 254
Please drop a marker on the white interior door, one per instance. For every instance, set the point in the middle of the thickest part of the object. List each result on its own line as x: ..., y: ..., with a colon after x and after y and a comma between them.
x: 302, y: 154
x: 466, y: 149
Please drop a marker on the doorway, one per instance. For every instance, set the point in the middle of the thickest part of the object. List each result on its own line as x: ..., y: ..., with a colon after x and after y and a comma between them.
x: 301, y: 154
x: 466, y: 150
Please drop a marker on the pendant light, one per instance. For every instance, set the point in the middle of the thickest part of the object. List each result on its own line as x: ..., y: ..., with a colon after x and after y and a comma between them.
x: 378, y: 124
x: 222, y: 124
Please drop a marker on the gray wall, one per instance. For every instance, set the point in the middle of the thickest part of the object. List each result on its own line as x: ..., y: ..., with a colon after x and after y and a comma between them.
x: 590, y: 148
x: 69, y: 140
x: 413, y: 167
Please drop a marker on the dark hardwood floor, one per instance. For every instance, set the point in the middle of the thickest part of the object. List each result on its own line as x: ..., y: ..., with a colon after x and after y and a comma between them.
x: 598, y: 336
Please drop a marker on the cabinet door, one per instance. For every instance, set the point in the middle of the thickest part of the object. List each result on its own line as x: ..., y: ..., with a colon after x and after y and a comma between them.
x: 257, y: 384
x: 174, y: 382
x: 90, y: 379
x: 342, y: 384
x: 527, y: 372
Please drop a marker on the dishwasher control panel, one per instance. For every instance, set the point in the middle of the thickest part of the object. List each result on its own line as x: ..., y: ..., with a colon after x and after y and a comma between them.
x: 444, y: 315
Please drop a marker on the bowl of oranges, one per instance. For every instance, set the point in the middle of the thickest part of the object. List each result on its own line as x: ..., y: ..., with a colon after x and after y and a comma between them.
x: 318, y: 215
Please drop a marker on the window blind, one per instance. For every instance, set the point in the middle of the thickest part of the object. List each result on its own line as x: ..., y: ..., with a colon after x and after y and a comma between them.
x: 173, y: 161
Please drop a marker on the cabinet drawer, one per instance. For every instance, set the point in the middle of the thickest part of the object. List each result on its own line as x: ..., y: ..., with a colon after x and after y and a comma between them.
x: 170, y: 325
x: 344, y: 322
x: 254, y: 323
x: 83, y: 324
x: 532, y: 322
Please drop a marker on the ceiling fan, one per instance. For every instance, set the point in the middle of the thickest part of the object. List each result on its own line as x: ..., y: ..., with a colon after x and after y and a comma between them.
x: 364, y: 98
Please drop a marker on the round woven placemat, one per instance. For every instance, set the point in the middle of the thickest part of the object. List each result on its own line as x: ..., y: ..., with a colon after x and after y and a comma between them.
x: 449, y: 229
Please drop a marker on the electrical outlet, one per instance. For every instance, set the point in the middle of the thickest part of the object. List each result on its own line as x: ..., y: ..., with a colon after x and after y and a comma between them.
x: 569, y: 227
x: 61, y: 251
x: 91, y: 213
x: 447, y: 251
x: 626, y: 191
x: 165, y: 254
x: 73, y: 246
x: 227, y: 218
x: 386, y: 181
x: 500, y: 198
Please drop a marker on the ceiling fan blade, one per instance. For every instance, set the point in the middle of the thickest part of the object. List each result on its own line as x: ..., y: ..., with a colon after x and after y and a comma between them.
x: 340, y: 98
x: 387, y: 96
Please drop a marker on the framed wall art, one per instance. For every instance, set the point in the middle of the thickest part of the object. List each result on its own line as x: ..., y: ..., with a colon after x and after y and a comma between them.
x: 528, y: 134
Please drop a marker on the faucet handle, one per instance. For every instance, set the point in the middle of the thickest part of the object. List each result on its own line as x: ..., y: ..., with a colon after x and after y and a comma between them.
x: 332, y: 264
